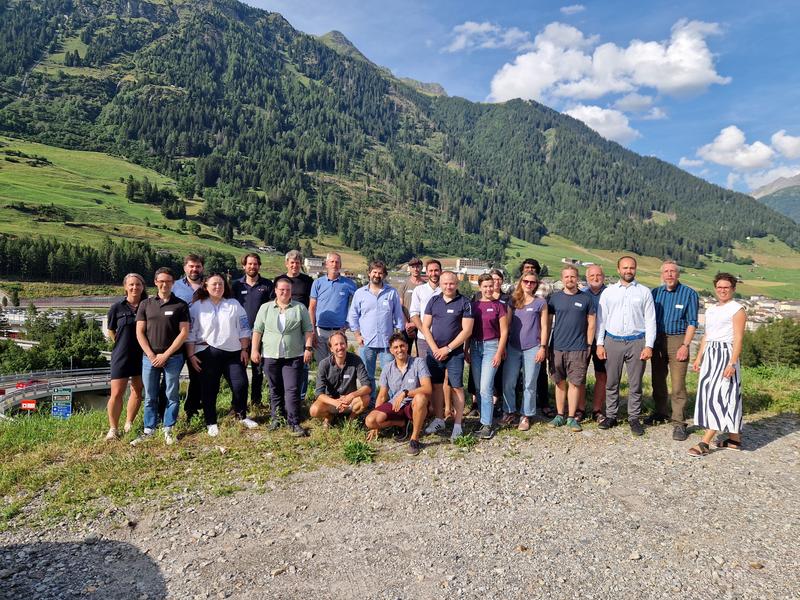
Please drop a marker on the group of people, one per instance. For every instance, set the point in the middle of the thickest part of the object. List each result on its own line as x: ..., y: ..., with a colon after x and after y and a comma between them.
x: 423, y: 334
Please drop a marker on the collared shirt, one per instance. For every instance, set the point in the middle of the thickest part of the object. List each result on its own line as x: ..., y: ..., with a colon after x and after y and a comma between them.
x: 184, y: 290
x: 376, y: 316
x: 162, y: 320
x: 419, y: 300
x: 220, y: 325
x: 301, y: 287
x: 333, y: 298
x: 446, y: 318
x: 627, y: 310
x: 336, y: 382
x: 122, y: 321
x: 395, y: 379
x: 290, y: 337
x: 675, y: 310
x: 251, y: 297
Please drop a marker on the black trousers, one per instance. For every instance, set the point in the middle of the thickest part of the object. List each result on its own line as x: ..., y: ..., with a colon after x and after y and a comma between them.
x: 284, y: 376
x: 216, y: 363
x: 542, y: 389
x: 256, y: 382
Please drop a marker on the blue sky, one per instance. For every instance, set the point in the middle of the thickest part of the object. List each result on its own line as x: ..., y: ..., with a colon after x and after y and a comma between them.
x: 713, y: 87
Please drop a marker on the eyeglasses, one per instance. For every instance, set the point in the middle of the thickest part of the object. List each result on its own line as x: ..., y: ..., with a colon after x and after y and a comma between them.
x: 529, y: 282
x: 163, y: 281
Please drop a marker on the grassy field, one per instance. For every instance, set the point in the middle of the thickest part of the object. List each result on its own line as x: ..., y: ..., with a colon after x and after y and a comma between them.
x: 51, y: 470
x: 776, y: 272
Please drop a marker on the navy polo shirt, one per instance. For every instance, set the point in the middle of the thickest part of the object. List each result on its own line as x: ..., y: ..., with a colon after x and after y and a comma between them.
x: 251, y: 297
x: 446, y: 318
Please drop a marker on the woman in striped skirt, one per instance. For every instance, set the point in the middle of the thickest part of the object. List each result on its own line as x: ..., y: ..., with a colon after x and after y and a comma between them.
x: 718, y: 407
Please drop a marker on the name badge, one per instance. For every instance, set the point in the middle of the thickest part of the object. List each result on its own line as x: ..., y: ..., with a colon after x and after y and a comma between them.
x: 346, y: 376
x: 450, y: 311
x: 341, y: 293
x: 528, y: 310
x: 489, y: 310
x: 386, y: 303
x: 168, y: 313
x: 243, y: 292
x: 679, y: 306
x: 579, y: 305
x: 410, y: 380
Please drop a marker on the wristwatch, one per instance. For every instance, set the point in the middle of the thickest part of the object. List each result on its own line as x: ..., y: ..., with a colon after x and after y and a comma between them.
x: 405, y: 393
x: 310, y: 348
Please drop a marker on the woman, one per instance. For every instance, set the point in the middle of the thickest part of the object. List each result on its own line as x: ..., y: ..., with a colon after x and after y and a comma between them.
x: 527, y: 348
x: 218, y: 346
x: 719, y: 395
x: 282, y: 336
x: 487, y: 348
x: 126, y: 357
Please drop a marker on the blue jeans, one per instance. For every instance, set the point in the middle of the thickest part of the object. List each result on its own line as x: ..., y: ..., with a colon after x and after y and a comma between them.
x: 517, y: 360
x: 370, y: 357
x: 481, y: 355
x: 151, y: 377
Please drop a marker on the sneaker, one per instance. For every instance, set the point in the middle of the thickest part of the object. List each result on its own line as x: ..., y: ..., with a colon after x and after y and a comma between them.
x: 680, y: 433
x: 298, y: 431
x: 437, y: 426
x: 573, y: 425
x: 656, y: 419
x: 558, y: 421
x: 473, y: 413
x: 112, y: 434
x: 636, y: 427
x: 524, y: 424
x: 146, y: 436
x: 275, y: 424
x: 169, y: 439
x: 608, y: 423
x: 213, y: 430
x: 485, y: 432
x: 249, y: 423
x: 457, y: 433
x: 128, y: 427
x: 413, y: 448
x: 403, y: 433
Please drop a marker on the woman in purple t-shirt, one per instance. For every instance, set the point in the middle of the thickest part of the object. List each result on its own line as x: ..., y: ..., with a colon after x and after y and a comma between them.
x: 487, y: 348
x: 527, y: 344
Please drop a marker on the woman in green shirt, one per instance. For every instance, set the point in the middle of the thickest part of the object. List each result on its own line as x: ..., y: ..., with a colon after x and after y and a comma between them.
x: 282, y: 338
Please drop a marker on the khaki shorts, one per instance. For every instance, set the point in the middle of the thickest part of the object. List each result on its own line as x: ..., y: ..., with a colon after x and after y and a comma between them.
x: 570, y: 366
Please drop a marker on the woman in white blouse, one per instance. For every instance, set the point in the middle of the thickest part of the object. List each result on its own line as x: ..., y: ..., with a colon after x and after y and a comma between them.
x: 219, y: 346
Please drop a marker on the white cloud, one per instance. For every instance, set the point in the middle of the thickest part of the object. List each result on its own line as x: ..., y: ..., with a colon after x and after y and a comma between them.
x: 562, y: 64
x: 730, y: 149
x: 572, y: 9
x: 758, y: 179
x: 654, y: 114
x: 787, y: 145
x: 690, y: 163
x: 611, y: 124
x: 634, y: 102
x: 470, y: 35
x: 732, y: 180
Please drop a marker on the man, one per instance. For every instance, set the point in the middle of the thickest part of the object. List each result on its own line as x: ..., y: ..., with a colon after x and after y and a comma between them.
x: 184, y: 288
x: 330, y: 297
x: 596, y: 279
x: 301, y: 292
x: 574, y: 315
x: 530, y: 265
x: 252, y: 291
x: 342, y: 383
x: 626, y: 333
x: 374, y: 314
x: 162, y: 326
x: 419, y: 300
x: 676, y: 322
x: 405, y: 388
x: 447, y: 325
x: 406, y: 291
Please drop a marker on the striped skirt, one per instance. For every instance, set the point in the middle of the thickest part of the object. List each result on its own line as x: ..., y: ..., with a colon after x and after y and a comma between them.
x: 719, y: 399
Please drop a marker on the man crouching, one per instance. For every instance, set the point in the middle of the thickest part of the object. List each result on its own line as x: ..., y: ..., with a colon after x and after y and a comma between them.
x: 342, y: 383
x: 403, y: 394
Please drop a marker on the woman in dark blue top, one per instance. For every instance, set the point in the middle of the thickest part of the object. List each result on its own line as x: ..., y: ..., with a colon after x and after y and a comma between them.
x: 126, y: 357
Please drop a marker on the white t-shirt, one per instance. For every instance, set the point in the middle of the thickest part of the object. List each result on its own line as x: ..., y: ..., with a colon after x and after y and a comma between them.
x: 719, y: 321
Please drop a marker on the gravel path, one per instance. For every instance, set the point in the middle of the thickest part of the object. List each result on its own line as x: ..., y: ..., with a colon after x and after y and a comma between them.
x: 559, y: 515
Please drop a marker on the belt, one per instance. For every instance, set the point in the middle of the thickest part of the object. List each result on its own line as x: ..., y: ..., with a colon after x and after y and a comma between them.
x: 330, y: 328
x: 625, y: 338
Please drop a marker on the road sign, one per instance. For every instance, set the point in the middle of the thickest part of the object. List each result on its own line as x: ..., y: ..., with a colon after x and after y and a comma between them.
x: 62, y: 403
x: 28, y: 405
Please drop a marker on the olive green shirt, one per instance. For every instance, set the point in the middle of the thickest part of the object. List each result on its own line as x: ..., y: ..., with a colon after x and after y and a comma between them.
x: 298, y: 323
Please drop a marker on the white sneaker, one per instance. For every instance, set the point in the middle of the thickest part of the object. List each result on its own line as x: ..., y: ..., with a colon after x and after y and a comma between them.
x: 128, y: 427
x: 112, y: 434
x: 436, y: 426
x: 146, y: 436
x: 457, y: 433
x: 249, y: 423
x: 213, y: 431
x: 169, y: 439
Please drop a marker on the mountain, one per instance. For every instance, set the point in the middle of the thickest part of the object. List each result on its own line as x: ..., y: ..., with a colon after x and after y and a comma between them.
x: 284, y: 136
x: 785, y: 201
x: 778, y: 184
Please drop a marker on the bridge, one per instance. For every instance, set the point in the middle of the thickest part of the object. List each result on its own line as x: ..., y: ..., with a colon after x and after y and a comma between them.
x: 80, y: 380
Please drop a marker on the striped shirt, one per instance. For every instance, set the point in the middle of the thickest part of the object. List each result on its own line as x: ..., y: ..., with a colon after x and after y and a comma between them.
x: 675, y: 310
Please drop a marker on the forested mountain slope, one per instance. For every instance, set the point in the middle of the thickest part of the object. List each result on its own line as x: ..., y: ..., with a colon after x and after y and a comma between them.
x: 284, y: 137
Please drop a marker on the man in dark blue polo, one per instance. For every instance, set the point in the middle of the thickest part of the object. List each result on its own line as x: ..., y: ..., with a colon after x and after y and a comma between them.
x: 252, y: 291
x: 330, y: 299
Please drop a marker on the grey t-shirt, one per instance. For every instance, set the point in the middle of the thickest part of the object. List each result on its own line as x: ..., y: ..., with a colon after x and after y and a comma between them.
x: 395, y: 380
x: 336, y: 382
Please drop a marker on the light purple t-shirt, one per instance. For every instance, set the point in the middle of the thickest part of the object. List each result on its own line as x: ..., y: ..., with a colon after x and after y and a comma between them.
x: 487, y: 319
x: 526, y: 325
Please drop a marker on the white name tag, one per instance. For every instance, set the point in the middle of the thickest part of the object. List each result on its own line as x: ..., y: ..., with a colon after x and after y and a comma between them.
x: 341, y: 293
x: 244, y: 292
x: 386, y: 303
x: 579, y: 305
x: 410, y: 380
x: 168, y: 312
x: 450, y: 311
x: 489, y: 310
x: 679, y: 306
x: 528, y: 310
x: 346, y: 376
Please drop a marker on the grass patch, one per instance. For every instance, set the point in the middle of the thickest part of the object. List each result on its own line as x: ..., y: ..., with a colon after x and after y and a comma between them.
x: 465, y: 442
x: 358, y: 451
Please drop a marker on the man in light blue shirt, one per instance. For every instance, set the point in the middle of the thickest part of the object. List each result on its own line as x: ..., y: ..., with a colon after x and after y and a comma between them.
x: 330, y: 297
x: 626, y: 334
x: 375, y: 313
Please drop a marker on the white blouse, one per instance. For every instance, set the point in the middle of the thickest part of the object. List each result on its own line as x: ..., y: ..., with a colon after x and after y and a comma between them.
x: 719, y: 321
x: 220, y: 326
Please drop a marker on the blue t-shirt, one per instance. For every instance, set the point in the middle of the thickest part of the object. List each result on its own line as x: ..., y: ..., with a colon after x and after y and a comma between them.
x: 446, y: 318
x: 571, y: 320
x: 333, y: 299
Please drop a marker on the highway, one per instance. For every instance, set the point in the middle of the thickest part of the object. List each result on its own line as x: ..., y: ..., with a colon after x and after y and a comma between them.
x: 80, y: 380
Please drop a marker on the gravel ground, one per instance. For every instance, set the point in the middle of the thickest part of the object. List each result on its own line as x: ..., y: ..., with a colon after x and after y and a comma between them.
x: 556, y: 515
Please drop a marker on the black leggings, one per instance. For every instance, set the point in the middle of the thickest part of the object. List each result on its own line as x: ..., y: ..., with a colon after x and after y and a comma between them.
x: 216, y: 363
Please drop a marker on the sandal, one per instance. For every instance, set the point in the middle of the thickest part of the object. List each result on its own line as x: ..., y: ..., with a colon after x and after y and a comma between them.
x: 699, y: 451
x: 598, y: 415
x: 729, y: 443
x: 549, y: 412
x: 579, y: 415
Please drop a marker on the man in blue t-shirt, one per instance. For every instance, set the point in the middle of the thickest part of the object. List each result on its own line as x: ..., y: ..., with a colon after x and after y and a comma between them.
x: 330, y: 299
x: 574, y: 315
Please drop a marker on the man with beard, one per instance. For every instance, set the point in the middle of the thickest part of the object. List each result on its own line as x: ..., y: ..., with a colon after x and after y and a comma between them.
x: 406, y: 291
x: 626, y: 334
x: 375, y: 313
x: 419, y: 300
x: 596, y: 280
x: 184, y: 288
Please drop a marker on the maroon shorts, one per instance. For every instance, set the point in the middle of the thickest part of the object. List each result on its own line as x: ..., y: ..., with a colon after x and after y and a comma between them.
x: 404, y: 414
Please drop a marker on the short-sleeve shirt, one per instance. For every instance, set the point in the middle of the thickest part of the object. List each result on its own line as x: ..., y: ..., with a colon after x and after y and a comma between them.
x: 487, y: 319
x: 336, y: 382
x: 571, y: 320
x: 395, y: 379
x: 446, y: 318
x: 122, y: 321
x: 676, y: 309
x: 251, y: 297
x: 301, y: 287
x: 184, y: 290
x: 333, y: 299
x: 163, y: 319
x: 526, y: 325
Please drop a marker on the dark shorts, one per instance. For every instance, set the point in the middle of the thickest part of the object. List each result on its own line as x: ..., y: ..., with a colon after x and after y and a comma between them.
x: 453, y: 366
x: 569, y: 366
x: 599, y: 364
x: 404, y: 413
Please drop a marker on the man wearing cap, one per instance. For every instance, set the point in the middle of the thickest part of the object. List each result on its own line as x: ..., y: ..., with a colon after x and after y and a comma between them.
x: 406, y: 291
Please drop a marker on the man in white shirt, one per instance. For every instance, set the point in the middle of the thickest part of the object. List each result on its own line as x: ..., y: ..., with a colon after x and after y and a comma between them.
x: 419, y: 300
x: 626, y: 334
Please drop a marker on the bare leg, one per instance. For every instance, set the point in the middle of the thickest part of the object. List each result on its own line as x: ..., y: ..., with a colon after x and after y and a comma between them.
x: 561, y: 397
x: 458, y: 404
x: 134, y: 400
x: 419, y: 411
x: 447, y: 392
x: 115, y: 401
x: 599, y: 402
x: 573, y: 395
x: 438, y: 401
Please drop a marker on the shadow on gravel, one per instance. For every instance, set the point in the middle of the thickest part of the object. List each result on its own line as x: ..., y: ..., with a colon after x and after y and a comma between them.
x: 759, y: 433
x: 99, y: 569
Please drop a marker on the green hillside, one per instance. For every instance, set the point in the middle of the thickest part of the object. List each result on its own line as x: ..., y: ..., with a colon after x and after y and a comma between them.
x: 785, y: 201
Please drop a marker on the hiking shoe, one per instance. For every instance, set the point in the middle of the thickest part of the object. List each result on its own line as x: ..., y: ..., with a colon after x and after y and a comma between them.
x: 573, y: 425
x: 274, y: 425
x: 146, y: 436
x: 213, y: 430
x: 608, y: 423
x: 680, y: 433
x: 169, y: 439
x: 558, y: 421
x: 403, y: 433
x: 298, y: 431
x: 485, y: 432
x: 112, y: 434
x: 524, y: 424
x: 249, y: 423
x: 413, y: 448
x: 437, y: 426
x: 656, y: 419
x: 636, y: 427
x: 457, y: 433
